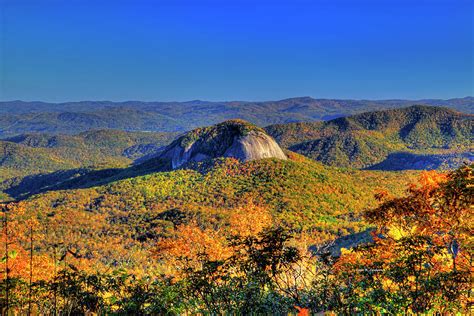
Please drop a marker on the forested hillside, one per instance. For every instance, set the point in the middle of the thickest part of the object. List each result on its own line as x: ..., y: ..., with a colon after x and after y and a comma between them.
x: 34, y: 154
x: 367, y: 139
x: 106, y: 142
x: 171, y: 241
x: 298, y: 194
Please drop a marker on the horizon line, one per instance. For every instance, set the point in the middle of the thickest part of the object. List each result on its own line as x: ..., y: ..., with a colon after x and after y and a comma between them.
x: 230, y: 101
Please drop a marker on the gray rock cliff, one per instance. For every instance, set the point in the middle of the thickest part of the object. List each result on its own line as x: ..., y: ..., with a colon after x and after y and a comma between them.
x: 235, y: 138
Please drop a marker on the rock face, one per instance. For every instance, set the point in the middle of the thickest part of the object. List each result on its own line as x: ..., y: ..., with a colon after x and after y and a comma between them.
x: 234, y: 138
x: 334, y: 248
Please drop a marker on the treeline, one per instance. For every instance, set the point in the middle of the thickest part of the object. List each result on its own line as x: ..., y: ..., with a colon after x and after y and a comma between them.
x: 419, y: 262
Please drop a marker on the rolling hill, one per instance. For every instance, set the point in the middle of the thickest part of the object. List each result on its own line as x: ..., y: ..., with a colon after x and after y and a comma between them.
x: 366, y: 140
x: 416, y: 137
x: 89, y: 213
x: 231, y: 139
x: 74, y: 117
x: 38, y: 154
x: 300, y: 194
x: 106, y: 142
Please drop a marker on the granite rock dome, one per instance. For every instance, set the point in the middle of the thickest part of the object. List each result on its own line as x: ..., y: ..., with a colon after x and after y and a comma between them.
x: 233, y: 138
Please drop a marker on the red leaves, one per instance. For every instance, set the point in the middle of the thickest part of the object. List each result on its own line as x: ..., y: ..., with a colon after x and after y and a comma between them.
x: 302, y: 311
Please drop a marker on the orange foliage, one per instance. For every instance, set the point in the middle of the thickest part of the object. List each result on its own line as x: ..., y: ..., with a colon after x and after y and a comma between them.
x: 191, y: 240
x: 188, y: 244
x: 249, y: 220
x: 302, y: 311
x: 418, y: 233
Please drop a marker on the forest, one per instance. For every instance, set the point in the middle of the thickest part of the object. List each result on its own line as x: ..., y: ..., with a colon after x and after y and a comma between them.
x: 101, y: 251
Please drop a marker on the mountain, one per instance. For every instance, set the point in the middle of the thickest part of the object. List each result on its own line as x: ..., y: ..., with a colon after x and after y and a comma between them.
x: 235, y: 138
x: 416, y: 137
x: 38, y: 154
x: 365, y: 140
x: 121, y: 118
x: 18, y: 117
x: 23, y: 159
x: 380, y: 140
x: 92, y: 148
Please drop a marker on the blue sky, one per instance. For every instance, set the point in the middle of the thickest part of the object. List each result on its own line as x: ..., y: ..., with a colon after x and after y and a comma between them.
x: 235, y: 50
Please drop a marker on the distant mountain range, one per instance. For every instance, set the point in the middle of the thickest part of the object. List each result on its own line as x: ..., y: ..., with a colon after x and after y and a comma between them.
x: 18, y: 117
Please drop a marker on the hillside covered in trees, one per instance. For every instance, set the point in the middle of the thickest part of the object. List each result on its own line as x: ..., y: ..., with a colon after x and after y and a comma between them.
x: 381, y: 140
x: 188, y: 241
x: 39, y: 154
x: 407, y: 138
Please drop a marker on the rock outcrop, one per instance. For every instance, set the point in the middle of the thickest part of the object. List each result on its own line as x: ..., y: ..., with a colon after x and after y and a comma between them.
x: 234, y: 138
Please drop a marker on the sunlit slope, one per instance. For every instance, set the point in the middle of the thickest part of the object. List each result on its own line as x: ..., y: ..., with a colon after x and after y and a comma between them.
x: 300, y: 194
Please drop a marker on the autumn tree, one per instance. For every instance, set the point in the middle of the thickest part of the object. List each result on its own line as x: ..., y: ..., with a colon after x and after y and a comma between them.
x: 421, y: 258
x: 245, y: 282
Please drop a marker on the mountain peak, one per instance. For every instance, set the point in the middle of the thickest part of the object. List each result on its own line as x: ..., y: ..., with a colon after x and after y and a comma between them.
x: 233, y: 138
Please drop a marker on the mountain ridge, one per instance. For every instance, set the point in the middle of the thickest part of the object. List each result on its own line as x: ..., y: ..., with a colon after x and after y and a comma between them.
x: 366, y: 139
x: 42, y: 154
x: 20, y: 117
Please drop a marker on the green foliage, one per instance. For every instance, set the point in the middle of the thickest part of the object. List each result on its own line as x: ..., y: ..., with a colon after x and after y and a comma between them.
x: 34, y: 154
x: 79, y: 293
x: 247, y: 282
x: 29, y: 160
x: 91, y: 148
x: 366, y: 139
x: 215, y: 139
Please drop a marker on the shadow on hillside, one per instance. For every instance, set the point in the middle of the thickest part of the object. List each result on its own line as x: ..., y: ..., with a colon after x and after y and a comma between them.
x: 80, y: 178
x: 409, y: 161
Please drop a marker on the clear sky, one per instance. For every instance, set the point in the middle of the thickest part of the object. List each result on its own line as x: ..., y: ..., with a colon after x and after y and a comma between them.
x: 118, y: 50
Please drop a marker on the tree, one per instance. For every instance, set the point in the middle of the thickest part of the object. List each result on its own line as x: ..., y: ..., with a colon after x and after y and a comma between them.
x: 251, y: 279
x: 421, y: 257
